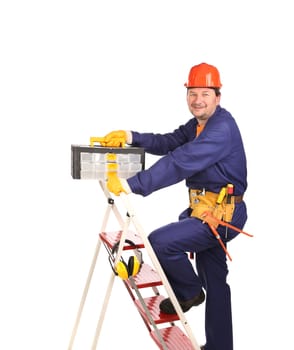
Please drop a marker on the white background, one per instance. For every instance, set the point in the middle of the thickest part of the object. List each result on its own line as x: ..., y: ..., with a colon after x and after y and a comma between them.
x: 75, y: 69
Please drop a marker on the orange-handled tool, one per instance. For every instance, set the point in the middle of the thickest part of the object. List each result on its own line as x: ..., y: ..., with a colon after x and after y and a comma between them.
x: 213, y: 222
x: 209, y: 218
x: 214, y: 231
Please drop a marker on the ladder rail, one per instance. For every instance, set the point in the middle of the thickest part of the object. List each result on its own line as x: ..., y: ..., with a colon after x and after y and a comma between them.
x: 103, y: 312
x: 126, y: 225
x: 110, y: 284
x: 148, y: 314
x: 111, y: 207
x: 160, y: 271
x: 84, y: 296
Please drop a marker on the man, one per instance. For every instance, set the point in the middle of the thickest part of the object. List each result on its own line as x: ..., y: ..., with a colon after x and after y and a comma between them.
x: 207, y: 152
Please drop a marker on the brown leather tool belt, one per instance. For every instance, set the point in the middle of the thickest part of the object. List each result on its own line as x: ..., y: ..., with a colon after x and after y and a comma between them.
x: 238, y: 199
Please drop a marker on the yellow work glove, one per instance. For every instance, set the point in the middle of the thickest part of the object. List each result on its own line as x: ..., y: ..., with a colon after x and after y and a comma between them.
x: 115, y: 139
x: 117, y: 185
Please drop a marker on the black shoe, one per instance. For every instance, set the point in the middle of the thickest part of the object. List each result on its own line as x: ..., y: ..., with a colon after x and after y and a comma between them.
x: 167, y: 307
x: 202, y: 347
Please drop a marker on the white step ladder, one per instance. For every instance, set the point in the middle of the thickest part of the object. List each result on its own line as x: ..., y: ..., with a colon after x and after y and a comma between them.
x: 169, y: 332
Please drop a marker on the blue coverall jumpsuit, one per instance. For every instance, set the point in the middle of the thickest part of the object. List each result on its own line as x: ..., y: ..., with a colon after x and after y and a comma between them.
x: 212, y: 160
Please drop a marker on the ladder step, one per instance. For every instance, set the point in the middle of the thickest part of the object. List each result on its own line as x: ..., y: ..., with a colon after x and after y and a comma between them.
x: 110, y: 238
x: 152, y: 304
x: 174, y: 339
x: 147, y: 277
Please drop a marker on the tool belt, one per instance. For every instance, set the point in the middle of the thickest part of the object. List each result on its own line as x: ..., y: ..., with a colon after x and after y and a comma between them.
x: 202, y: 201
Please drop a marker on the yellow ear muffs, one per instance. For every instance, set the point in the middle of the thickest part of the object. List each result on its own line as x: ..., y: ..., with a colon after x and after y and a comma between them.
x: 134, y: 266
x: 122, y: 270
x: 125, y: 270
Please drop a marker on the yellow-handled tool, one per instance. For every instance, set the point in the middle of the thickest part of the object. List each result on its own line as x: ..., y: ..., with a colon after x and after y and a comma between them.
x: 221, y: 196
x: 218, y: 210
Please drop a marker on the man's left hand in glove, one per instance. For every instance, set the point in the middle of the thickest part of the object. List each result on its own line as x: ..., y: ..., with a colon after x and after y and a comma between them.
x: 117, y: 185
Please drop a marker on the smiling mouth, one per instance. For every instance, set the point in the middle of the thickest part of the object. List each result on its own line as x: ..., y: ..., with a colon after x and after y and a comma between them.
x: 198, y: 107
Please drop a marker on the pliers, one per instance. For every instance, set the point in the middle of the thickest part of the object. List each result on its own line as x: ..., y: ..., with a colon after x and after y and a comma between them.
x: 213, y: 223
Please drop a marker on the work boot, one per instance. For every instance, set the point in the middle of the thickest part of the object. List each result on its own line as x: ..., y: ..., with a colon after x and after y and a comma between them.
x: 167, y: 307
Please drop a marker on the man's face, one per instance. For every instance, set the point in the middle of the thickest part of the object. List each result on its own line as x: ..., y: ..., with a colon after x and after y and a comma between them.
x: 202, y: 103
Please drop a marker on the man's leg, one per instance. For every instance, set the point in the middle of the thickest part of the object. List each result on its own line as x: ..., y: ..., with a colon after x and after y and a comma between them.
x: 171, y: 244
x: 212, y: 270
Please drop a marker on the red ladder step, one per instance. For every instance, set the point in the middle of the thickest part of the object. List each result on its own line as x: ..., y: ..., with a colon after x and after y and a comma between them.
x: 173, y: 336
x: 110, y: 238
x: 152, y: 304
x: 147, y: 277
x: 174, y: 339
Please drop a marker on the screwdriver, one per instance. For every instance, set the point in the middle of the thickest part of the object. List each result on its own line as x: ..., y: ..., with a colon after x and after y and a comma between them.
x: 221, y: 196
x: 230, y: 191
x: 219, y: 200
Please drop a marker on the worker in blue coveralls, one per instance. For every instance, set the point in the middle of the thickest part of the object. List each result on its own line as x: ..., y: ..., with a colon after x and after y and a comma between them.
x: 208, y: 153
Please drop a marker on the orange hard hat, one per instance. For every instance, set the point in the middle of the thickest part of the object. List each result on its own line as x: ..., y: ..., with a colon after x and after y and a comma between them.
x: 204, y: 75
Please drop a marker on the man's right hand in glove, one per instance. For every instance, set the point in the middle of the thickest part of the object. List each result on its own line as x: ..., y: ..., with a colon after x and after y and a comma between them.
x: 115, y: 139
